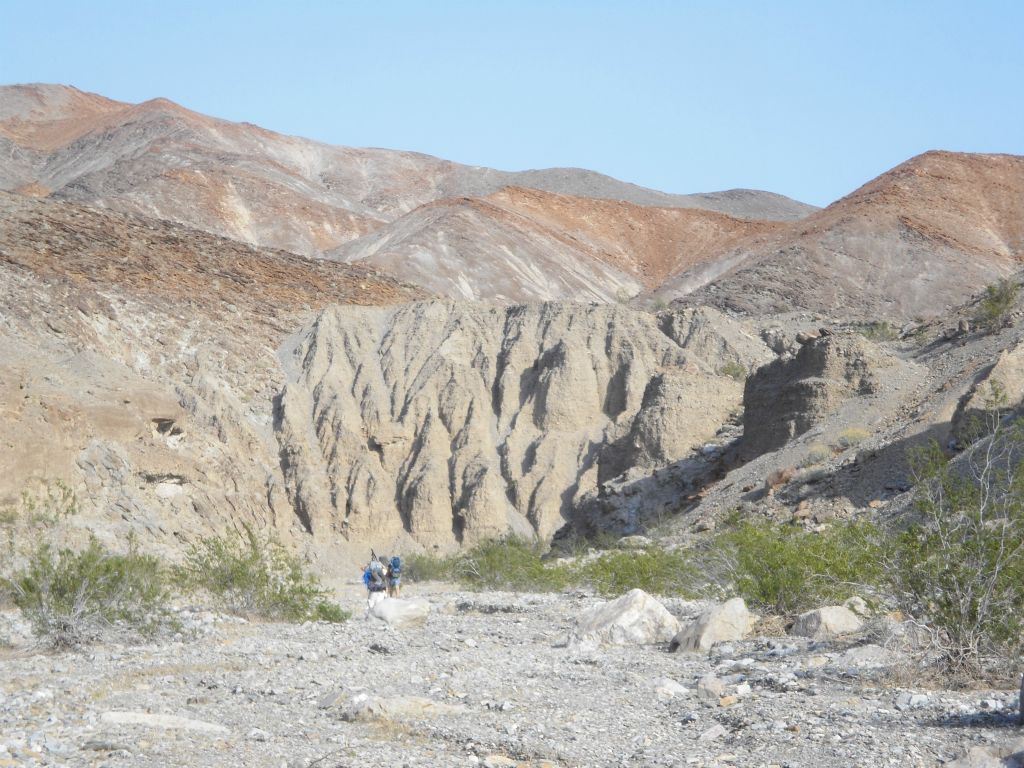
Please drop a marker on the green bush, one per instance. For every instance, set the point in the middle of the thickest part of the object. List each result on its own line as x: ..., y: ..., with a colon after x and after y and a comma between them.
x: 71, y: 598
x: 251, y: 576
x: 960, y: 567
x: 851, y: 437
x: 785, y: 569
x: 35, y: 511
x: 418, y: 568
x: 996, y: 306
x: 510, y: 563
x: 880, y: 330
x: 653, y: 570
x: 733, y: 370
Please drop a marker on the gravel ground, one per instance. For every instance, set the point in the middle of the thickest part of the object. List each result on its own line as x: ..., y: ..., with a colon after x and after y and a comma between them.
x: 488, y: 680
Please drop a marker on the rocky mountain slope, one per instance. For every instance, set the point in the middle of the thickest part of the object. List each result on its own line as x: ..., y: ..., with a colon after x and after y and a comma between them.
x: 243, y: 182
x: 139, y: 367
x: 523, y: 244
x: 916, y: 241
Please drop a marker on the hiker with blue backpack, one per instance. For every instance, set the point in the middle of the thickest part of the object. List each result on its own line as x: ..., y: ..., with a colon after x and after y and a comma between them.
x: 395, y: 576
x: 375, y: 580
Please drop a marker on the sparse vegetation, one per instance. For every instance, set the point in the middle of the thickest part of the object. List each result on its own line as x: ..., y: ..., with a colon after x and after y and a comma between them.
x: 733, y: 370
x: 37, y: 510
x: 997, y: 305
x: 960, y: 568
x: 72, y: 598
x: 779, y: 477
x: 785, y: 569
x: 252, y: 576
x: 816, y: 455
x: 851, y: 437
x: 653, y: 570
x: 510, y: 563
x: 880, y: 330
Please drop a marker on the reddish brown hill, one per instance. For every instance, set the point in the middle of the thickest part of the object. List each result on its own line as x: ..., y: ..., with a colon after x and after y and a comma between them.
x: 916, y: 240
x: 647, y: 242
x: 241, y: 181
x: 523, y: 244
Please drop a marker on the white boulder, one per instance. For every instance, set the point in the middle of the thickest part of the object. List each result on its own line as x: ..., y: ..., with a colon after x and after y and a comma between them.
x: 727, y: 622
x: 399, y: 613
x: 636, y: 618
x: 823, y: 623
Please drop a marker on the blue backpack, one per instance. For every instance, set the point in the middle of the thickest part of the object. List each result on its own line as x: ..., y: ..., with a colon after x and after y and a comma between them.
x: 396, y: 565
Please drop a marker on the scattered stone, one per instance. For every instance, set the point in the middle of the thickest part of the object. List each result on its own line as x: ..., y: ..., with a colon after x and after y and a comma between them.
x: 171, y: 722
x: 710, y: 688
x: 714, y: 733
x: 365, y: 708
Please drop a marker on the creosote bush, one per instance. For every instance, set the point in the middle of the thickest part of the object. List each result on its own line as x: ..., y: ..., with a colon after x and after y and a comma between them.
x: 734, y: 370
x: 786, y: 569
x: 880, y: 330
x: 960, y: 568
x: 851, y: 437
x: 252, y: 576
x: 653, y: 570
x: 72, y: 598
x: 517, y: 565
x: 994, y: 309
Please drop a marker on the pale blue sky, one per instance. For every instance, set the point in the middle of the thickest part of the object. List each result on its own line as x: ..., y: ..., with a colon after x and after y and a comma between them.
x: 810, y: 99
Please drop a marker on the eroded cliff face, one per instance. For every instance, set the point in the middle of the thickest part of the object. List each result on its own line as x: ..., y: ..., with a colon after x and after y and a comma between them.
x: 450, y: 423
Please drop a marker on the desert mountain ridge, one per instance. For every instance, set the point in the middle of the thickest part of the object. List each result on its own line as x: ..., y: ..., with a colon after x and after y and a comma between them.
x: 914, y: 242
x: 157, y: 158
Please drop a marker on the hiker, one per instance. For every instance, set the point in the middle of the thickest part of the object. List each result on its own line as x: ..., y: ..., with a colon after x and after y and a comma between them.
x: 395, y: 576
x: 375, y: 581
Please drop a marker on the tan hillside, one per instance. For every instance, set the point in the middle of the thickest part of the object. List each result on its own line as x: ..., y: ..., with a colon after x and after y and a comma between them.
x: 916, y: 240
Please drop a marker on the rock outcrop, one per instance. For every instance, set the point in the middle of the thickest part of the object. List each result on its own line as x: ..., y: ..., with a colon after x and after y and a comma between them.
x: 786, y: 397
x: 452, y: 423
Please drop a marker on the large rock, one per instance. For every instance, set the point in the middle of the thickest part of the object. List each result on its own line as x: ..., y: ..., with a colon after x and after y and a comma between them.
x: 453, y: 423
x: 823, y: 623
x: 401, y: 613
x: 1008, y: 756
x: 726, y: 622
x: 636, y: 618
x: 788, y: 396
x: 1000, y: 389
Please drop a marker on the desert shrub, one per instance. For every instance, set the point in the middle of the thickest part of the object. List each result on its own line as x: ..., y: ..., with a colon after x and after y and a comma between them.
x: 253, y: 576
x: 786, y: 569
x: 779, y: 477
x: 35, y: 511
x: 733, y: 370
x: 510, y: 563
x: 419, y: 567
x: 996, y: 306
x: 960, y: 567
x: 879, y: 330
x: 72, y: 598
x: 817, y: 454
x: 851, y: 437
x: 653, y: 570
